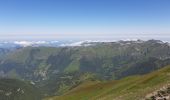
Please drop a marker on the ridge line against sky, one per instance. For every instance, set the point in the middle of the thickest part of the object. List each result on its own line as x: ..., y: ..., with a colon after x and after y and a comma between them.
x: 83, y: 19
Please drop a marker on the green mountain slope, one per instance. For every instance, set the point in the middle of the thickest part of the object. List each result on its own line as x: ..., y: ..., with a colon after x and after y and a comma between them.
x: 129, y: 88
x: 12, y: 89
x: 57, y: 70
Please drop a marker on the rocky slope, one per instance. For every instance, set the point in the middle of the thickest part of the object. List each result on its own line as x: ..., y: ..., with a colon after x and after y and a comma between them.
x: 161, y: 94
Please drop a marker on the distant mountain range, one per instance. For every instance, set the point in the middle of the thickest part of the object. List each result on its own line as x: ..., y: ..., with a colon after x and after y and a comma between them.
x: 58, y: 67
x: 18, y: 44
x: 13, y: 44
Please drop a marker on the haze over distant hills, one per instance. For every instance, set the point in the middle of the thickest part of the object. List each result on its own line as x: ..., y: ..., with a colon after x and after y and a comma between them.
x: 59, y: 43
x: 55, y: 68
x: 84, y: 49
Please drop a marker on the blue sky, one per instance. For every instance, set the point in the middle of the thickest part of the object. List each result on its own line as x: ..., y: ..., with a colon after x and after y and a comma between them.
x: 84, y: 19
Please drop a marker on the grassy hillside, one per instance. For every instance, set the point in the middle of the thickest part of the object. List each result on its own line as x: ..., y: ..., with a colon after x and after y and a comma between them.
x: 129, y: 88
x: 58, y: 69
x: 12, y: 89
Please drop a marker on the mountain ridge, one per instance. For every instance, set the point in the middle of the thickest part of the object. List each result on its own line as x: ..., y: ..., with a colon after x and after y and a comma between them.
x: 56, y: 70
x: 64, y: 43
x: 129, y: 88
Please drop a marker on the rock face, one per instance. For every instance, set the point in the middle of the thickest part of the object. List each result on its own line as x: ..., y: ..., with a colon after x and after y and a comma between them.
x: 161, y: 94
